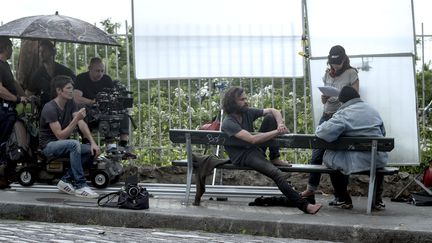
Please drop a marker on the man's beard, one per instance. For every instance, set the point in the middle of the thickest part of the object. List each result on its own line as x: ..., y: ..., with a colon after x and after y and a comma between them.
x: 242, y: 109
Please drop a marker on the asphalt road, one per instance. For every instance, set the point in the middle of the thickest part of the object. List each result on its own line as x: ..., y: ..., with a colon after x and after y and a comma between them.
x: 27, y: 231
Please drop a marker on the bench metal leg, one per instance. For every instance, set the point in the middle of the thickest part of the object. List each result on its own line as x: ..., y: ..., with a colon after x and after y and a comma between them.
x: 372, y: 178
x: 189, y: 168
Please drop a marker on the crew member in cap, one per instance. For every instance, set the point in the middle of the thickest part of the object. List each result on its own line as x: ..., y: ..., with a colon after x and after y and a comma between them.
x: 338, y: 74
x: 355, y: 118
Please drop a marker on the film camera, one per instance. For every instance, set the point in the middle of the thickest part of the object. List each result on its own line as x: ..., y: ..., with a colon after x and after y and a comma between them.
x: 131, y: 186
x: 110, y: 109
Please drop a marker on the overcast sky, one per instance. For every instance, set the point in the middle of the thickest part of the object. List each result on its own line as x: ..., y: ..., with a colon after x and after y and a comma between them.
x: 94, y: 11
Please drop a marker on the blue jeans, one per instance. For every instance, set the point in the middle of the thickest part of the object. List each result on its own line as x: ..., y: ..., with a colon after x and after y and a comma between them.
x: 317, y: 159
x: 79, y: 155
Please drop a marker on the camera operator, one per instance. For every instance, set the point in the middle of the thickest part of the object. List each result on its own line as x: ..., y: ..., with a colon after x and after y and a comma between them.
x: 89, y: 84
x: 9, y: 89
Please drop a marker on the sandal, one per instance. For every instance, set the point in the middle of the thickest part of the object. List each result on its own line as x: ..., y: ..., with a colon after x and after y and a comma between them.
x: 346, y: 206
x: 279, y: 162
x: 307, y: 193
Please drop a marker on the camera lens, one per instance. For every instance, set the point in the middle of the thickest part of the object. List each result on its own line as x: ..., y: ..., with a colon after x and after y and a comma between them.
x: 133, y: 191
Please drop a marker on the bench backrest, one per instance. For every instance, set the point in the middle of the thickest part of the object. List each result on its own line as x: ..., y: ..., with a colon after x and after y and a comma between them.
x: 306, y: 141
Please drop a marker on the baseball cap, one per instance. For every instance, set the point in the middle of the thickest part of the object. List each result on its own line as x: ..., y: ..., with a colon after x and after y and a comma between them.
x: 336, y: 55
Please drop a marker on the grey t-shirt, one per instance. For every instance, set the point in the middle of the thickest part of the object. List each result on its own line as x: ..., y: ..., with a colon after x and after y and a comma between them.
x: 231, y: 127
x: 347, y: 78
x: 51, y: 112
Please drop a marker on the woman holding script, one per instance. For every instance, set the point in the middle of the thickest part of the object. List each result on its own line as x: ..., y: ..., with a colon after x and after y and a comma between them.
x: 338, y: 74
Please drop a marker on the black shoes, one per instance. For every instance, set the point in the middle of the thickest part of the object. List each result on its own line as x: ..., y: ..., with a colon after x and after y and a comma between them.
x: 344, y: 204
x: 379, y: 205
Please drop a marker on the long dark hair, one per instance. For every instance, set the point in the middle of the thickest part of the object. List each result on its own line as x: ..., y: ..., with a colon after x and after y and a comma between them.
x: 346, y: 63
x: 229, y: 103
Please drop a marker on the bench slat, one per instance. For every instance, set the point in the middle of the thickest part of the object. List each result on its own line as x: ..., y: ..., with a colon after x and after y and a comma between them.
x: 298, y: 168
x: 305, y: 141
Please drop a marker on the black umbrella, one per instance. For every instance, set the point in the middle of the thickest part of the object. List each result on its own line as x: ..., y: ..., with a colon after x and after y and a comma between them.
x: 57, y: 28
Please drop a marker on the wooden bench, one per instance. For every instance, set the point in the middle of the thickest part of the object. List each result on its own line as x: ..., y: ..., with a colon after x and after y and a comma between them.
x: 304, y: 141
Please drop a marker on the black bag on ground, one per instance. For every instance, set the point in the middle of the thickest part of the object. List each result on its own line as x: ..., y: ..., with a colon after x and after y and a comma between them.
x: 131, y: 196
x: 421, y: 199
x: 138, y: 200
x: 125, y: 200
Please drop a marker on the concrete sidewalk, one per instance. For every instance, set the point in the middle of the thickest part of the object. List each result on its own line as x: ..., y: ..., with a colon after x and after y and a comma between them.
x: 399, y: 222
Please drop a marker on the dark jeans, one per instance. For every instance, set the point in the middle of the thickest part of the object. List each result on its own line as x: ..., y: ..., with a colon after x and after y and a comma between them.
x: 317, y: 159
x: 269, y: 124
x: 340, y: 186
x: 255, y: 159
x: 8, y: 118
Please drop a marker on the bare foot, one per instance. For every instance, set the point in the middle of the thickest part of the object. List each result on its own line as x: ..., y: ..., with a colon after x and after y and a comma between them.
x: 279, y: 162
x: 307, y: 193
x: 313, y: 208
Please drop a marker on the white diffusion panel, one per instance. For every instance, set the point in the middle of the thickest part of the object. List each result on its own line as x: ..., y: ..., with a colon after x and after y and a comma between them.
x: 378, y: 37
x: 388, y: 86
x: 217, y: 38
x: 362, y: 27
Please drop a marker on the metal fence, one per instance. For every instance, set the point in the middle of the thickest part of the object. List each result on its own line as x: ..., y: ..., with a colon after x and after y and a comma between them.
x: 163, y: 104
x: 187, y: 104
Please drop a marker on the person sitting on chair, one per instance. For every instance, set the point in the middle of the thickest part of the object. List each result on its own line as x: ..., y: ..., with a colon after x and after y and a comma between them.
x: 58, y: 120
x: 355, y: 118
x: 239, y: 124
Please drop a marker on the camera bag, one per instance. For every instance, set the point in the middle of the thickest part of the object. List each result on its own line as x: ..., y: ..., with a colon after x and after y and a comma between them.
x: 125, y: 200
x: 138, y: 201
x: 131, y: 196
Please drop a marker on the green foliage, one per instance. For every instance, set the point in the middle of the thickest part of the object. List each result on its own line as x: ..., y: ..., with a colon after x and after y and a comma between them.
x: 426, y: 130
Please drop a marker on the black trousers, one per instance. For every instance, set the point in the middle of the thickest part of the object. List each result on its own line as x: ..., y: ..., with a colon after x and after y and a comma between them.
x: 340, y: 186
x: 8, y: 117
x: 269, y: 124
x: 254, y: 158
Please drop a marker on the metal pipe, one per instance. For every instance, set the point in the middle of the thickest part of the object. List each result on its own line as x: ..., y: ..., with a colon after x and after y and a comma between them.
x: 423, y: 81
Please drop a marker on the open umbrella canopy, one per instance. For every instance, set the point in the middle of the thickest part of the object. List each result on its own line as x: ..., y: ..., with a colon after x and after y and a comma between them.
x: 57, y: 28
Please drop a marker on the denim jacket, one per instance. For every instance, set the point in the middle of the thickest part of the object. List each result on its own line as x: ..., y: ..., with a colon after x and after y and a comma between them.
x: 354, y: 118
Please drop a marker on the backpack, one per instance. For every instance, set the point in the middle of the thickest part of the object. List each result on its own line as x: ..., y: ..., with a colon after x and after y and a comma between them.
x: 18, y: 144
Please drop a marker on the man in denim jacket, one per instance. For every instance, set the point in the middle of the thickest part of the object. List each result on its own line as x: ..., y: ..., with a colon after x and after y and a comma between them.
x: 355, y: 118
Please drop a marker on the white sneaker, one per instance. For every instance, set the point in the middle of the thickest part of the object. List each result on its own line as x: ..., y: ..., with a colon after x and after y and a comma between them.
x: 86, y: 192
x: 66, y: 187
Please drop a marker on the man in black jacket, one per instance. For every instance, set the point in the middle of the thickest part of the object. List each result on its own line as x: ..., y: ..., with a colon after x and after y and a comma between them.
x: 10, y: 95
